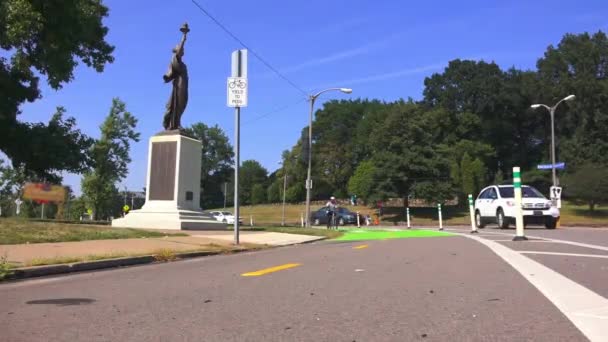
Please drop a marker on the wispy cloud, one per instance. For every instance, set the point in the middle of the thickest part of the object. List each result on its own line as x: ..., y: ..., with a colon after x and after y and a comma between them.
x: 386, y: 76
x: 394, y: 74
x: 341, y: 55
x: 343, y: 26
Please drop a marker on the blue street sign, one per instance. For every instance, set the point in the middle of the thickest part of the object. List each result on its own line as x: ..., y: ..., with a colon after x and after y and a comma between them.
x: 560, y: 166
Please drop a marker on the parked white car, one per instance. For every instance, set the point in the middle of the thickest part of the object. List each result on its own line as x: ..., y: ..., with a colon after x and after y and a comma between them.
x: 496, y: 204
x: 223, y: 216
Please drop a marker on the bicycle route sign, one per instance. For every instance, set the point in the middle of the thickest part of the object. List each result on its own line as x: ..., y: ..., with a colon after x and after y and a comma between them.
x: 237, y: 91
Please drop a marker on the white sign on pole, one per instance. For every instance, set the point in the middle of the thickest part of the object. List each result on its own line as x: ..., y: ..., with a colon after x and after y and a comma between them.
x: 18, y: 203
x: 237, y: 91
x: 556, y: 196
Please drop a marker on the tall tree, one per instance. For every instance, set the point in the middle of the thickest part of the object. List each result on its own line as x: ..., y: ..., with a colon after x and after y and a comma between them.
x: 588, y: 184
x: 404, y: 160
x: 110, y: 156
x: 252, y: 173
x: 52, y: 148
x: 362, y: 181
x: 46, y: 38
x: 579, y: 66
x: 216, y: 162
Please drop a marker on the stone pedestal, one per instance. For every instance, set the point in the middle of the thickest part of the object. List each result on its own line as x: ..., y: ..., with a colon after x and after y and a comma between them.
x: 172, y: 187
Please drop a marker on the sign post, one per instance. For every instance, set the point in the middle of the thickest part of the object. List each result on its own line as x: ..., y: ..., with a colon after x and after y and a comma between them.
x: 407, y: 213
x: 440, y: 217
x: 472, y: 213
x: 18, y: 202
x: 556, y: 196
x: 237, y: 87
x: 519, y: 215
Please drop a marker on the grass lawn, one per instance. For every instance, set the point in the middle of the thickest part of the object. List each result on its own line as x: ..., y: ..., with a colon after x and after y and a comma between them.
x: 15, y: 231
x: 270, y: 214
x: 357, y: 235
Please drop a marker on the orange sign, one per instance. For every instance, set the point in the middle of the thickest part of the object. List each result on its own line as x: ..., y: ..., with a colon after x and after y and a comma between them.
x: 44, y: 192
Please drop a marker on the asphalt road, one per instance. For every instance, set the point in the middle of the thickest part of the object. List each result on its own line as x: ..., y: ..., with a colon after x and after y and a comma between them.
x: 426, y: 289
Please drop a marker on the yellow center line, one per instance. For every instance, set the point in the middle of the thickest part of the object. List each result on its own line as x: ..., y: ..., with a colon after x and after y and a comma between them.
x: 360, y: 247
x: 269, y: 270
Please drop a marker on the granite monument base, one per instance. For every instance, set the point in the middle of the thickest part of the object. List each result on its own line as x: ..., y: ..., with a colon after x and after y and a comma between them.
x: 173, y: 187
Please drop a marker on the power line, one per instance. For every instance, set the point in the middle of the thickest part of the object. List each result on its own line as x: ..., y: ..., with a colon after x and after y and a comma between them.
x: 255, y: 54
x: 273, y: 111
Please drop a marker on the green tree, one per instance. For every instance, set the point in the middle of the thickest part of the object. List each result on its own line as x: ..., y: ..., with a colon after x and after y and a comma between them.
x: 50, y: 148
x: 216, y: 162
x: 588, y: 183
x: 579, y: 66
x: 258, y: 194
x: 467, y: 174
x: 403, y: 157
x: 252, y: 173
x: 110, y: 156
x: 362, y: 181
x: 479, y: 102
x: 274, y: 193
x: 34, y: 42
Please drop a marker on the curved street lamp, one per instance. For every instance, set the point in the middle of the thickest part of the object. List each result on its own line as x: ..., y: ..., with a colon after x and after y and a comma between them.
x: 312, y: 99
x: 552, y: 113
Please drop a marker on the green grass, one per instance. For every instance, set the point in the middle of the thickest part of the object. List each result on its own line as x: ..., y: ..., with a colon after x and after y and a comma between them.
x: 331, y: 234
x: 358, y: 235
x: 270, y: 214
x: 163, y: 254
x: 6, y: 268
x: 15, y: 231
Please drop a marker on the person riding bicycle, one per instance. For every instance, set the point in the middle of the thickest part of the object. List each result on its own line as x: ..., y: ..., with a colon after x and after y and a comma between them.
x: 332, y: 207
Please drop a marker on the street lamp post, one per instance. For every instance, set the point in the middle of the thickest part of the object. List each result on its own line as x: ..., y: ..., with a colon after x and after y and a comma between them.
x: 552, y: 113
x: 312, y: 99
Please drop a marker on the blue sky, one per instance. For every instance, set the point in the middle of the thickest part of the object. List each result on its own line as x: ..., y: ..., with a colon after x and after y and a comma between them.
x: 382, y: 49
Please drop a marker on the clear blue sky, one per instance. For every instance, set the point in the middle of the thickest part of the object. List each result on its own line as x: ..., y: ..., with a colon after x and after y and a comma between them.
x: 382, y: 49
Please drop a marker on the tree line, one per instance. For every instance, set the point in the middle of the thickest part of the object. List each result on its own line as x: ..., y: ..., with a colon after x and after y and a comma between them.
x: 471, y: 126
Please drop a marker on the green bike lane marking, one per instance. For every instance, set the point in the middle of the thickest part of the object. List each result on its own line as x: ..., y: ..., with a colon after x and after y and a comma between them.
x: 356, y: 235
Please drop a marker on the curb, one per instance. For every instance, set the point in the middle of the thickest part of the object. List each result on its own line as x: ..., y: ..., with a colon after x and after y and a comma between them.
x: 49, y: 270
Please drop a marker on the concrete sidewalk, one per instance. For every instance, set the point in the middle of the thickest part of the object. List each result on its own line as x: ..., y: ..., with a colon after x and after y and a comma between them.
x: 213, y: 241
x: 260, y: 238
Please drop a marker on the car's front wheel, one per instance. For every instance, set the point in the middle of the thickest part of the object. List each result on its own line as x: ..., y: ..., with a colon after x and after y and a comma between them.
x: 478, y: 220
x: 550, y: 223
x: 501, y: 219
x: 316, y: 222
x: 341, y: 221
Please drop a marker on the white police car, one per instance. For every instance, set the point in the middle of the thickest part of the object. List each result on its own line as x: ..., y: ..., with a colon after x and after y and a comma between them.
x: 496, y: 204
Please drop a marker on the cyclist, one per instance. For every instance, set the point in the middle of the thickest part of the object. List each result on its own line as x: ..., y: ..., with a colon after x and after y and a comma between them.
x: 332, y: 207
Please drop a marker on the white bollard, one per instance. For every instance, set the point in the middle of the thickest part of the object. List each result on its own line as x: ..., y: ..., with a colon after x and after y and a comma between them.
x: 519, y: 214
x: 358, y: 220
x: 440, y: 217
x: 407, y: 213
x: 472, y: 213
x: 302, y: 219
x: 251, y: 220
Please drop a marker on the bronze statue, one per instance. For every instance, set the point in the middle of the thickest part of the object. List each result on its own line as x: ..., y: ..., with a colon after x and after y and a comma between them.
x: 178, y: 73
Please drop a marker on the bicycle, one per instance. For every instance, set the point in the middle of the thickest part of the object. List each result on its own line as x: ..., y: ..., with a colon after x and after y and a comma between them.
x: 332, y: 220
x: 237, y: 84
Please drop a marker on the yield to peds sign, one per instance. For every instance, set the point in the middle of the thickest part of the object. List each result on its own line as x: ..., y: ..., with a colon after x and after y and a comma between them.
x: 237, y: 92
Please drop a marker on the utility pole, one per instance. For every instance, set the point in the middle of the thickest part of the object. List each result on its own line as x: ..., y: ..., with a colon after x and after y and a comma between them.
x: 225, y: 193
x: 284, y: 189
x: 312, y: 99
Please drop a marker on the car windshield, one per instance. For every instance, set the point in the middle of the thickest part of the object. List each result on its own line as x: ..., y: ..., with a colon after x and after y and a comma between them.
x: 226, y: 213
x: 526, y: 192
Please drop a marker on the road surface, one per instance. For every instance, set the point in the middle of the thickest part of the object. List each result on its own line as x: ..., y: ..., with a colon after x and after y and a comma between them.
x: 426, y: 289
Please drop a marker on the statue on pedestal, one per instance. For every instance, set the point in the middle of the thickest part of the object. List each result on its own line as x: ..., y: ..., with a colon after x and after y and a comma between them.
x: 178, y: 73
